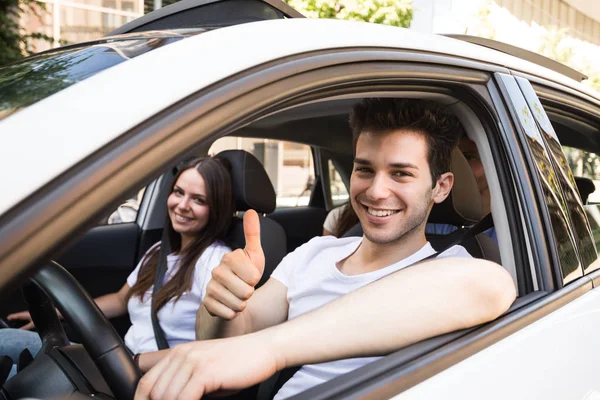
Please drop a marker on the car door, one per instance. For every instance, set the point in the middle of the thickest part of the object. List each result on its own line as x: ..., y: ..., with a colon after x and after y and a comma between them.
x: 553, y: 356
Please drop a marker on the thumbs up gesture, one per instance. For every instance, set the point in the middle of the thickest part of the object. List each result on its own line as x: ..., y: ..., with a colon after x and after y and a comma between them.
x: 233, y: 280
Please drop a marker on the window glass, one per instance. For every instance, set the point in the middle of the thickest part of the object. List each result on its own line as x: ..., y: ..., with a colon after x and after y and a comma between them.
x: 339, y: 192
x: 289, y: 165
x: 35, y: 78
x: 564, y: 177
x: 126, y: 212
x: 558, y: 212
x: 585, y: 164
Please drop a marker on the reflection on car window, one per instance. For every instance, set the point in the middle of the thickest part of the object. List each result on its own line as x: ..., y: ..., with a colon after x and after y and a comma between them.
x: 289, y: 165
x: 585, y: 164
x: 564, y: 177
x: 557, y: 208
x: 33, y: 79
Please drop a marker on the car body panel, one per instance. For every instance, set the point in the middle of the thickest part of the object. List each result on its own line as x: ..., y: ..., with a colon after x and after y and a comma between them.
x: 94, y: 121
x: 553, y: 358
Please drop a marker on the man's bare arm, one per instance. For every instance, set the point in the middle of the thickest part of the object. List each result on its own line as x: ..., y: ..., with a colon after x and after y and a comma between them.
x: 422, y: 301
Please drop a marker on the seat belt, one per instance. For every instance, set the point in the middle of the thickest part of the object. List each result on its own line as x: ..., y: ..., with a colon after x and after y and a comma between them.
x: 161, y: 269
x: 460, y: 235
x: 269, y: 388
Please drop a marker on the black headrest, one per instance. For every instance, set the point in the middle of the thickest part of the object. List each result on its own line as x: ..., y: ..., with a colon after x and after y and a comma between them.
x: 252, y: 188
x: 585, y: 186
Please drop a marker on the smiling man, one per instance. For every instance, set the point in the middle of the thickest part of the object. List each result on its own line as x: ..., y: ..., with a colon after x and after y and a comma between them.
x: 401, y: 169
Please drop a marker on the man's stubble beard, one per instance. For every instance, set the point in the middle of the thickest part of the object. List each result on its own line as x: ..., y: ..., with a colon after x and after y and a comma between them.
x: 407, y: 227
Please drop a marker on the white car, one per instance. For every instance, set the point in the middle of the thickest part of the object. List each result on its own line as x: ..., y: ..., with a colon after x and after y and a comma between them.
x: 87, y: 126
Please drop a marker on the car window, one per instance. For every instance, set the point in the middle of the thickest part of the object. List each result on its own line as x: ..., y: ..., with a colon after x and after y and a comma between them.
x: 586, y: 165
x: 35, y: 78
x: 564, y: 239
x: 289, y: 165
x: 339, y: 192
x: 126, y: 212
x: 564, y: 177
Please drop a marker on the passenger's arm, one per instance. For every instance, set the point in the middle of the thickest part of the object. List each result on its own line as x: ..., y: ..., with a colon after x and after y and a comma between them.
x: 114, y: 304
x: 426, y: 300
x: 149, y: 360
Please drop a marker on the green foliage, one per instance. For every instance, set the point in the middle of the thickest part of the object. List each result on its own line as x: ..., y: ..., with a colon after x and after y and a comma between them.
x: 15, y: 43
x: 553, y: 46
x: 557, y: 45
x: 387, y: 12
x: 24, y: 83
x: 149, y: 5
x: 483, y: 25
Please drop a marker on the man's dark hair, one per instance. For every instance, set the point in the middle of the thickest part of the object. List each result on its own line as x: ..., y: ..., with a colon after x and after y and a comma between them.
x: 441, y: 129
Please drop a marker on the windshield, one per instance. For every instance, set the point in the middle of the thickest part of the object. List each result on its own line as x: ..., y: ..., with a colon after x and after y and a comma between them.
x: 35, y: 78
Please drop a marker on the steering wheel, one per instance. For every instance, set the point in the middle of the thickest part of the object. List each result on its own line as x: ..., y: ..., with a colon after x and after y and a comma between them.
x: 99, y: 339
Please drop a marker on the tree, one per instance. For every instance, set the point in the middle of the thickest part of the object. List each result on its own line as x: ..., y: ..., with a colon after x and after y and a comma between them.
x: 15, y: 43
x: 387, y: 12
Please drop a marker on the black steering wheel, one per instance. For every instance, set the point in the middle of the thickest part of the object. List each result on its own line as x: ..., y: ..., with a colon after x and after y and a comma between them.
x: 101, y: 342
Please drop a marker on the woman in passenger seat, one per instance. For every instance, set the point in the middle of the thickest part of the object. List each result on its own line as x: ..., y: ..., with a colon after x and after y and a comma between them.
x: 200, y: 208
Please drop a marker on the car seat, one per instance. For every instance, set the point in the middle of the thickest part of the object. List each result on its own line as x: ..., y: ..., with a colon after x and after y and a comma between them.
x: 252, y: 189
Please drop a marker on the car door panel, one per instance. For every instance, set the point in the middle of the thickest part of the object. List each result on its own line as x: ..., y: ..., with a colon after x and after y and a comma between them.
x: 553, y: 358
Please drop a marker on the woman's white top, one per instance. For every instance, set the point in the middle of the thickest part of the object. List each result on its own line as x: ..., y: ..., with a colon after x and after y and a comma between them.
x: 177, y: 318
x: 333, y: 218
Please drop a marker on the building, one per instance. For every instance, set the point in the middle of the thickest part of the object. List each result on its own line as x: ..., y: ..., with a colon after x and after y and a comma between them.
x: 579, y: 18
x: 72, y: 21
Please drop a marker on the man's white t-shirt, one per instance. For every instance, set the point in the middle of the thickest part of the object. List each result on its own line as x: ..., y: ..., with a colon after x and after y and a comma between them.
x: 313, y: 280
x: 177, y: 318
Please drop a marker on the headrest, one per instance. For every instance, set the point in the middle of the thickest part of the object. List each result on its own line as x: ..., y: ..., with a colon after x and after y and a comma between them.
x: 585, y: 186
x: 463, y: 204
x: 252, y: 188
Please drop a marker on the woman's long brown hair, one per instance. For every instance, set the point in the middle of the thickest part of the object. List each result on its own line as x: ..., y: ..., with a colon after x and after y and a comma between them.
x: 346, y: 220
x: 219, y: 197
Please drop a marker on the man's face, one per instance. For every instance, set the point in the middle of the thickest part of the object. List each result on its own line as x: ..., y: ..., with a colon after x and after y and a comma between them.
x: 390, y: 188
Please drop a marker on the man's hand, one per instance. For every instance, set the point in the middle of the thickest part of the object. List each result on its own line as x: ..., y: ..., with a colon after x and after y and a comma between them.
x: 233, y: 280
x: 22, y: 316
x: 194, y: 369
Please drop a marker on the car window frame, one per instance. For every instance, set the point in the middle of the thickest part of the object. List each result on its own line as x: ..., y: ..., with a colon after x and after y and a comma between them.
x: 580, y: 108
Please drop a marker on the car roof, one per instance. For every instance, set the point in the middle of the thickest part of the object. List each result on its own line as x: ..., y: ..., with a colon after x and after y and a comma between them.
x: 133, y: 91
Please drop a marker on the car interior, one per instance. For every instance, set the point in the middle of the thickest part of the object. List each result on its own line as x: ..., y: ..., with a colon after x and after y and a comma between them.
x: 102, y: 258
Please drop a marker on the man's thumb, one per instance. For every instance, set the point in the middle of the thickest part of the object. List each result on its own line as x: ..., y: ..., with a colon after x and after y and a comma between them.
x: 252, y: 235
